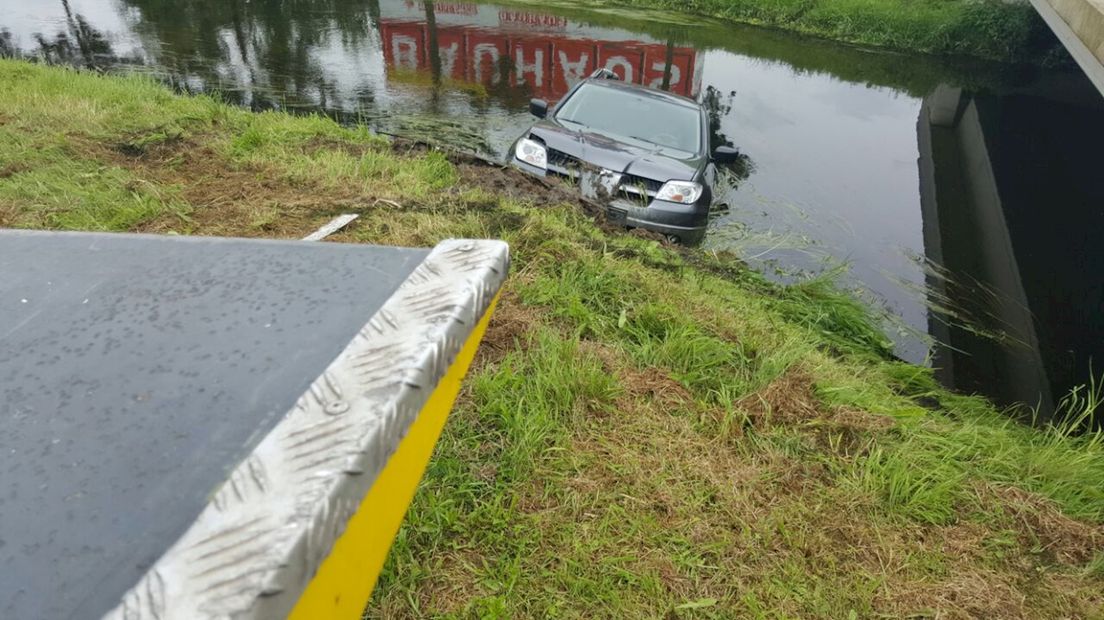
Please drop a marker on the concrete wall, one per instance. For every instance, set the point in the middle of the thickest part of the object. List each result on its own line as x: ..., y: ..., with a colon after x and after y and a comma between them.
x: 966, y: 235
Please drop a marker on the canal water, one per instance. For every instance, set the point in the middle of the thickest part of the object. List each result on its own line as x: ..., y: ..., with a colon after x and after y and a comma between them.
x: 960, y: 198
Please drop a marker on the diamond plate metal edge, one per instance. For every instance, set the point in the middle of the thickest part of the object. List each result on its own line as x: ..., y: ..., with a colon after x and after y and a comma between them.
x: 265, y: 532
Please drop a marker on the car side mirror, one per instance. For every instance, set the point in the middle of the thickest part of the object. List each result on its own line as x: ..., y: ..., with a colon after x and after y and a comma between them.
x: 538, y: 108
x: 726, y: 154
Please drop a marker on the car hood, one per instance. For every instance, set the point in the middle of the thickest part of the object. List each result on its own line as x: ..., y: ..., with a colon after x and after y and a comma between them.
x: 650, y: 162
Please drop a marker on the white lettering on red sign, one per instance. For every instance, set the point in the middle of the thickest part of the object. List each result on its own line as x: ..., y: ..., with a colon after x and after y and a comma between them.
x: 404, y: 49
x: 478, y: 53
x: 626, y: 74
x: 536, y: 67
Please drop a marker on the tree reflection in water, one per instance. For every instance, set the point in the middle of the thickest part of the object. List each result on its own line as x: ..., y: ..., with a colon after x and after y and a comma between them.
x: 78, y: 44
x: 717, y: 107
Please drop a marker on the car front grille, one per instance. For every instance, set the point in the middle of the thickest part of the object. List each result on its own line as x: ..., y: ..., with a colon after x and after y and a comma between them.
x: 637, y: 186
x: 561, y: 160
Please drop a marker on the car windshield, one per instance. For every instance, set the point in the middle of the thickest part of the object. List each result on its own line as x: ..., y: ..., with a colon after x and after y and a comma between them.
x: 634, y: 115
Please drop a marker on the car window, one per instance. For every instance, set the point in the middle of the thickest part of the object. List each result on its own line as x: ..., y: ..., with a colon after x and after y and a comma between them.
x: 634, y: 115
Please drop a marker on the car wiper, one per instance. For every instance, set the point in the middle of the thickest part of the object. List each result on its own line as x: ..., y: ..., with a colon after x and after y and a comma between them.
x: 652, y: 142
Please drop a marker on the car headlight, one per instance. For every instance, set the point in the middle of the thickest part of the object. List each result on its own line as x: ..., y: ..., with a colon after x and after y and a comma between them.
x: 684, y: 192
x: 532, y: 153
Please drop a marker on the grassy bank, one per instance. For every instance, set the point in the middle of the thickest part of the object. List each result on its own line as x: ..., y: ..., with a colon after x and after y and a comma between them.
x: 647, y: 432
x: 990, y: 29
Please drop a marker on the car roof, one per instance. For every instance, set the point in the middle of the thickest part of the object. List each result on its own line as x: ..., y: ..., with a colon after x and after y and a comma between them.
x: 647, y: 91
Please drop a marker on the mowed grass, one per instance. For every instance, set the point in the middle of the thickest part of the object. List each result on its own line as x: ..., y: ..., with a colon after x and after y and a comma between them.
x: 647, y: 432
x: 82, y: 153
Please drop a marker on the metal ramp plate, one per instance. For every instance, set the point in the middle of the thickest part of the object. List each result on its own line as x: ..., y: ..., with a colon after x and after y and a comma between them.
x: 192, y: 426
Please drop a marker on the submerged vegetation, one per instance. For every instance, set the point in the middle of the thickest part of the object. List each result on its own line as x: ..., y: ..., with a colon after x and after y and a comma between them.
x: 648, y: 431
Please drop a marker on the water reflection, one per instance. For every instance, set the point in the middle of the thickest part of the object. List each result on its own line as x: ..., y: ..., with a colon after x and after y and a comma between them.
x: 529, y: 53
x: 1012, y: 219
x: 833, y: 133
x: 259, y: 54
x: 77, y: 43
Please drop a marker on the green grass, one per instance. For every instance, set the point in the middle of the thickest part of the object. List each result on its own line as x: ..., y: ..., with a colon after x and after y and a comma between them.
x: 84, y: 196
x: 648, y: 432
x: 69, y: 147
x: 1095, y: 568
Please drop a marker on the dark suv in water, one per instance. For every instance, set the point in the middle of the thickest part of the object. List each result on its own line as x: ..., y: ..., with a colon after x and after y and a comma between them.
x: 643, y: 152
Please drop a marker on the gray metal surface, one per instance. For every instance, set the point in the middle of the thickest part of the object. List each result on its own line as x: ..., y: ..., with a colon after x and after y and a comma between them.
x: 136, y: 373
x: 261, y: 539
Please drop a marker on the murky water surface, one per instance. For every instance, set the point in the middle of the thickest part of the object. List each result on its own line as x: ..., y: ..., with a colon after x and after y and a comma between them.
x: 961, y: 197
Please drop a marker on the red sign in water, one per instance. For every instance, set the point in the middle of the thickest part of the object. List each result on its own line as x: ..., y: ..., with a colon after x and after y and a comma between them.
x: 548, y: 64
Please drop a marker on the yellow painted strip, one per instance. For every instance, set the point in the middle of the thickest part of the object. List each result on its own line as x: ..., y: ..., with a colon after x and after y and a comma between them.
x: 344, y: 582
